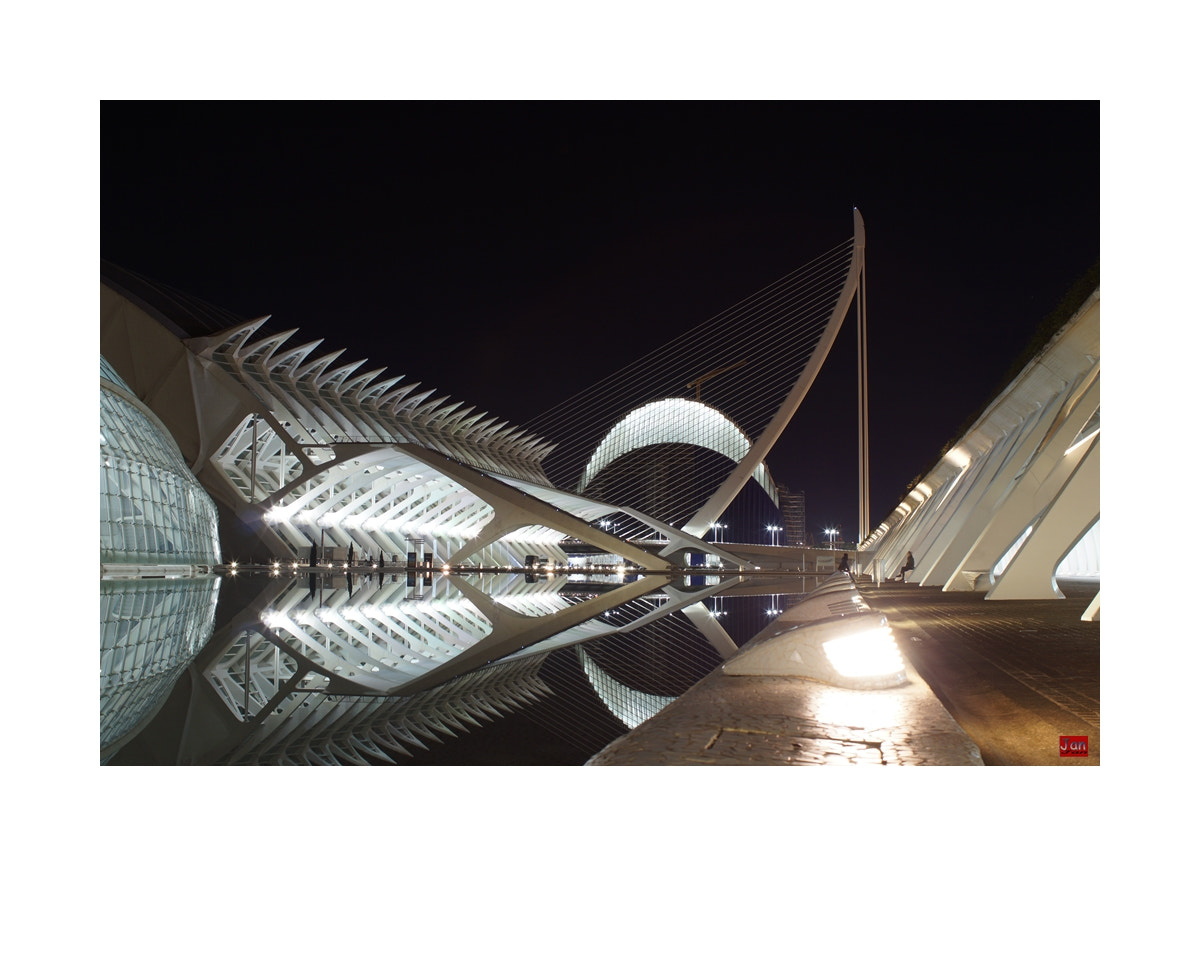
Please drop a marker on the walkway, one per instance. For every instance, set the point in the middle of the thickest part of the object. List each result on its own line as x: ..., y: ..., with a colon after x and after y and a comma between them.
x: 1016, y: 674
x: 1006, y: 680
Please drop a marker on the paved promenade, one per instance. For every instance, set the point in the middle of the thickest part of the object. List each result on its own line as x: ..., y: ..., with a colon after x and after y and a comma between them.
x: 1016, y: 675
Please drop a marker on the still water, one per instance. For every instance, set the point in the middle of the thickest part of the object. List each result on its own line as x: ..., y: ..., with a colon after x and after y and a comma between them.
x: 410, y: 668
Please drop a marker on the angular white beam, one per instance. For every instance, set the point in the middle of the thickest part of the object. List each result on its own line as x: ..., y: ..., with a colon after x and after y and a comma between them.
x: 1030, y: 574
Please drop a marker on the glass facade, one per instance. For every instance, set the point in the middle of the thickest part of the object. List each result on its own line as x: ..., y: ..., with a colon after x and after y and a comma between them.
x: 152, y: 509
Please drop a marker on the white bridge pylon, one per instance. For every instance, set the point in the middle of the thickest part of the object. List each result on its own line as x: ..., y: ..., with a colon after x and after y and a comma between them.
x: 708, y: 514
x: 645, y: 435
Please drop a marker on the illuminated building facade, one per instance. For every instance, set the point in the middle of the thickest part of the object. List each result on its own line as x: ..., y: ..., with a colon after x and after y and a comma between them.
x: 154, y: 515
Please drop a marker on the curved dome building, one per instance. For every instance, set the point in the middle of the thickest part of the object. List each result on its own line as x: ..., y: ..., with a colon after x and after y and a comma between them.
x: 156, y: 521
x: 155, y: 517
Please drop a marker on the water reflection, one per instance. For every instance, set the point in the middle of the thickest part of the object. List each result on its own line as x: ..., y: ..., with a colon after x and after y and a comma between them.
x: 150, y: 630
x: 373, y: 668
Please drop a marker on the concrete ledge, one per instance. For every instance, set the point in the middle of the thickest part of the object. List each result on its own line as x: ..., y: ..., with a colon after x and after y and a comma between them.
x: 830, y: 636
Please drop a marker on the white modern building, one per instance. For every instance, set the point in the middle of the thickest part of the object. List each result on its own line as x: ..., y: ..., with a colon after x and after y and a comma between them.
x: 1014, y: 505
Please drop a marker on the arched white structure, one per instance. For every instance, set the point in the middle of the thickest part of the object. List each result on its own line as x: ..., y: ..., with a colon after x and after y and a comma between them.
x: 675, y: 420
x: 707, y: 514
x: 754, y: 363
x: 1020, y: 491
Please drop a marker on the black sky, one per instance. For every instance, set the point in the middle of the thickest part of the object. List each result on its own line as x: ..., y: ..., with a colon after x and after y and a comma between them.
x: 511, y: 253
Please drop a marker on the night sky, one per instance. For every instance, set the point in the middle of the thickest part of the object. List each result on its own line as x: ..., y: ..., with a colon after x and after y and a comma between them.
x: 510, y: 254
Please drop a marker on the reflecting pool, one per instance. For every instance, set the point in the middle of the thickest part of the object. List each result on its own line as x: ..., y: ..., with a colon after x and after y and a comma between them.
x: 313, y: 666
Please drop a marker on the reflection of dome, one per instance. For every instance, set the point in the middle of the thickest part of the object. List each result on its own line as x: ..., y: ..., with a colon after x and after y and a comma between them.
x: 631, y: 707
x: 155, y: 521
x: 149, y: 632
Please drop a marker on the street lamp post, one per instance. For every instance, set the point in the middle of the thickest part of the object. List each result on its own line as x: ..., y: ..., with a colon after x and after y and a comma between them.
x: 772, y: 529
x: 831, y: 533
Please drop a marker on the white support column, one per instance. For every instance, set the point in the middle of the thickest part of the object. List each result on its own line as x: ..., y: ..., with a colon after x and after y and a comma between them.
x: 930, y: 519
x: 864, y: 465
x: 1030, y: 574
x: 1027, y: 498
x: 953, y: 502
x: 949, y: 572
x: 901, y: 537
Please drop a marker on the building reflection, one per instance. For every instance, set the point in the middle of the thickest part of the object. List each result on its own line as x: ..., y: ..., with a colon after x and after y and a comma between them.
x: 343, y: 669
x: 150, y: 630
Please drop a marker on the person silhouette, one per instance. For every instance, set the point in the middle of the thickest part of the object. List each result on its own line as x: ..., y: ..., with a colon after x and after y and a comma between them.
x: 908, y: 565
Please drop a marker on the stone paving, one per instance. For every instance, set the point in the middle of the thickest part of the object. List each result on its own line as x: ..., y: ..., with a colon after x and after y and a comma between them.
x: 1017, y: 675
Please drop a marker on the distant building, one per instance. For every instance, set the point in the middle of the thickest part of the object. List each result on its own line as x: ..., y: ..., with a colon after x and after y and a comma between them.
x: 795, y: 524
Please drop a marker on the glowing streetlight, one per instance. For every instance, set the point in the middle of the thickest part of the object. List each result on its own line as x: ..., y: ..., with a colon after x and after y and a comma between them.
x: 772, y: 529
x: 717, y: 528
x: 831, y: 534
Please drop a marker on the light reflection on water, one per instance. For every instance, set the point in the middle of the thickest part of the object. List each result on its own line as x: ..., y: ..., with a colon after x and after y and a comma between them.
x: 429, y: 668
